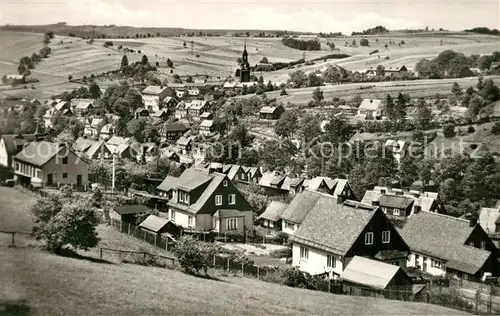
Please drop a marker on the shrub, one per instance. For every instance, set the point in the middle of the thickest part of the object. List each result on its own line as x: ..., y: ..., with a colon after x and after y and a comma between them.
x: 449, y: 131
x: 67, y: 191
x: 471, y: 129
x: 496, y: 128
x: 194, y: 255
x: 364, y: 42
x: 281, y: 253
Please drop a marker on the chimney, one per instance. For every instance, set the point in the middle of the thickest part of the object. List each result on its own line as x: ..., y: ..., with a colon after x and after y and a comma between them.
x: 472, y: 221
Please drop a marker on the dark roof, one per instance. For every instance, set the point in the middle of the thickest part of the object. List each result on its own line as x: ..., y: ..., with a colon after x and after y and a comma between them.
x: 131, y: 209
x: 176, y: 127
x: 228, y: 213
x: 13, y: 142
x: 333, y: 226
x: 273, y: 211
x: 192, y: 178
x: 169, y: 183
x: 395, y: 201
x: 277, y: 179
x: 444, y: 237
x: 300, y: 206
x: 39, y: 153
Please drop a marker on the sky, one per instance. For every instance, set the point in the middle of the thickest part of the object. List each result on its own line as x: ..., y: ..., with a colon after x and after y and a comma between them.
x: 307, y: 16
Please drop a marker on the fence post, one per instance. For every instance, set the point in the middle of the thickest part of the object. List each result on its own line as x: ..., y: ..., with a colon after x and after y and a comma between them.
x: 144, y: 256
x: 257, y: 272
x: 144, y: 235
x: 13, y: 238
x: 227, y: 264
x: 121, y: 227
x: 155, y: 239
x: 100, y: 253
x: 242, y: 272
x: 214, y: 261
x: 329, y: 285
x: 129, y: 228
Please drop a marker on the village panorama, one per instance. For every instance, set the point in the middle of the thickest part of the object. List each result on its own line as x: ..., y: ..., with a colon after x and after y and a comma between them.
x: 220, y: 158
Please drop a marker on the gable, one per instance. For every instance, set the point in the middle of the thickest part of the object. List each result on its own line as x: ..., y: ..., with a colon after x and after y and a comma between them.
x: 209, y: 206
x: 478, y: 235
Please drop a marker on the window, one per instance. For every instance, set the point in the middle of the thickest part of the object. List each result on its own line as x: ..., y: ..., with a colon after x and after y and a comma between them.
x: 186, y: 198
x: 18, y: 166
x: 172, y: 215
x: 417, y: 258
x: 465, y: 275
x: 190, y: 221
x: 232, y: 199
x: 395, y: 212
x: 65, y: 161
x: 289, y: 225
x: 181, y: 196
x: 232, y: 224
x: 483, y: 244
x: 218, y: 200
x: 242, y: 176
x: 65, y: 175
x: 224, y: 183
x: 330, y: 261
x: 369, y: 239
x: 386, y: 236
x: 304, y: 253
x: 39, y: 174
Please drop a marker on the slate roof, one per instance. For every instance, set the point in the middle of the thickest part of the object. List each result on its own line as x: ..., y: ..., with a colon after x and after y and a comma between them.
x: 207, y: 123
x: 333, y: 226
x: 183, y: 141
x: 176, y: 127
x: 206, y: 115
x: 395, y: 201
x: 268, y: 109
x: 192, y: 178
x: 339, y: 186
x: 13, y: 142
x: 82, y: 104
x: 39, y: 153
x: 169, y: 183
x: 233, y: 171
x: 96, y: 145
x: 314, y: 183
x: 370, y: 105
x: 82, y: 144
x: 371, y: 273
x: 273, y: 211
x: 228, y: 213
x: 300, y: 206
x: 155, y: 90
x: 267, y: 178
x: 154, y: 223
x: 444, y: 237
x: 60, y: 105
x: 277, y: 179
x: 106, y: 129
x: 131, y: 209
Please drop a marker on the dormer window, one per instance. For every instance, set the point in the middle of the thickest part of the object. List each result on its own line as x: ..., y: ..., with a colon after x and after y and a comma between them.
x: 224, y: 183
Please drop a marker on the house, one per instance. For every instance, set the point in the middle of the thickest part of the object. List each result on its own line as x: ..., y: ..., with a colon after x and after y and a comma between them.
x: 366, y: 277
x: 160, y: 115
x: 295, y: 185
x: 395, y: 70
x: 235, y: 173
x: 336, y: 187
x: 185, y: 144
x: 370, y: 109
x: 43, y: 163
x: 200, y: 150
x: 270, y: 112
x: 271, y: 184
x: 141, y: 112
x: 153, y: 97
x: 297, y: 210
x: 63, y: 107
x: 128, y: 150
x: 443, y: 245
x: 159, y: 226
x: 207, y: 201
x: 93, y: 127
x: 128, y: 213
x: 173, y: 131
x: 193, y: 92
x: 181, y: 110
x: 167, y: 186
x: 253, y: 174
x: 334, y: 232
x: 91, y: 149
x: 169, y: 154
x: 82, y: 107
x: 170, y: 102
x: 207, y: 127
x: 116, y: 141
x: 107, y: 131
x: 272, y: 215
x: 60, y: 108
x: 399, y: 203
x: 10, y: 145
x: 196, y: 107
x: 206, y: 116
x: 488, y: 218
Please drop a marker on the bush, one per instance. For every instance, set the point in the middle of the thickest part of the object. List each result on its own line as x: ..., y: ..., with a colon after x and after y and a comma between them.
x: 364, y: 42
x: 67, y: 191
x: 194, y: 255
x: 449, y: 131
x: 107, y: 43
x: 471, y: 129
x: 281, y: 253
x: 496, y: 128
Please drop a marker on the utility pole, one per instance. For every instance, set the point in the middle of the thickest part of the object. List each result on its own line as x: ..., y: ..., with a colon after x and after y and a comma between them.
x: 93, y: 31
x: 304, y: 56
x: 192, y: 47
x: 113, y: 176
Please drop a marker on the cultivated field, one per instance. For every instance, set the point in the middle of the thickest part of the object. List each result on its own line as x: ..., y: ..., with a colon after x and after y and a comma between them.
x: 217, y: 55
x: 45, y: 284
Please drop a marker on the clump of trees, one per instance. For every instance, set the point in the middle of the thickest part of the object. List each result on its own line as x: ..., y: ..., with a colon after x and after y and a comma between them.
x: 301, y: 44
x: 364, y: 42
x: 484, y: 30
x: 372, y: 31
x: 194, y: 255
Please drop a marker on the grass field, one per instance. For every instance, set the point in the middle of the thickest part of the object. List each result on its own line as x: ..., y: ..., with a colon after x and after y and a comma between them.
x: 45, y: 284
x: 217, y: 55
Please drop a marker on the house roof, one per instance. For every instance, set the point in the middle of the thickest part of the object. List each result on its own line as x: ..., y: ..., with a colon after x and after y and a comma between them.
x: 81, y: 144
x: 444, y: 237
x: 183, y: 141
x: 266, y: 179
x: 371, y: 273
x: 14, y: 142
x: 39, y: 153
x: 268, y: 109
x: 300, y: 206
x: 159, y: 113
x: 315, y: 183
x: 154, y: 223
x: 207, y: 123
x: 370, y: 104
x: 488, y: 218
x: 176, y: 127
x: 82, y: 104
x: 273, y: 211
x: 96, y: 122
x: 131, y: 209
x: 333, y: 226
x: 340, y: 186
x: 153, y: 90
x: 117, y: 140
x: 228, y: 213
x: 107, y: 128
x: 60, y: 105
x: 96, y: 145
x: 169, y: 183
x: 233, y: 171
x: 192, y: 178
x: 277, y: 179
x: 296, y: 182
x: 395, y: 201
x: 205, y: 115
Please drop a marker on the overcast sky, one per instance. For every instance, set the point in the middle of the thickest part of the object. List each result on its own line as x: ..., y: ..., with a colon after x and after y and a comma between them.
x: 318, y: 16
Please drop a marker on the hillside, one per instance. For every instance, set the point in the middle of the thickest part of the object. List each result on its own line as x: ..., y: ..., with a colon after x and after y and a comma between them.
x: 50, y: 285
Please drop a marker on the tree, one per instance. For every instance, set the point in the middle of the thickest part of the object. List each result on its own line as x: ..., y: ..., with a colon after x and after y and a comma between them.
x: 353, y: 42
x: 287, y: 125
x: 264, y: 60
x: 380, y: 70
x: 136, y: 128
x: 332, y: 74
x: 283, y: 92
x: 298, y: 78
x: 424, y: 115
x: 449, y: 190
x: 313, y: 80
x: 337, y: 131
x: 21, y: 69
x: 70, y: 77
x: 495, y: 129
x: 366, y: 175
x: 170, y: 64
x: 310, y: 128
x: 408, y: 172
x: 331, y: 45
x: 449, y: 131
x: 364, y: 42
x: 490, y: 91
x: 455, y: 89
x: 389, y: 106
x: 73, y: 223
x: 144, y: 60
x: 95, y: 91
x: 194, y: 255
x: 317, y: 96
x: 66, y: 191
x: 124, y: 62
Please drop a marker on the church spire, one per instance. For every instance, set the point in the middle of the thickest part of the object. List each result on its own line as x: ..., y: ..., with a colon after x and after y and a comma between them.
x: 245, y: 53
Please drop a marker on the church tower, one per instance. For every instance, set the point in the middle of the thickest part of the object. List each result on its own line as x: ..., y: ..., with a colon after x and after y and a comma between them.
x: 245, y: 66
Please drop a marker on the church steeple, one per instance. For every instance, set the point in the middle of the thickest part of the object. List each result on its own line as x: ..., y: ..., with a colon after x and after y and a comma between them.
x: 245, y: 53
x: 245, y: 66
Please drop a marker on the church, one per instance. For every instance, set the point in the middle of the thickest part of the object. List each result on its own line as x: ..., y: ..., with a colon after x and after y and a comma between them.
x: 245, y: 66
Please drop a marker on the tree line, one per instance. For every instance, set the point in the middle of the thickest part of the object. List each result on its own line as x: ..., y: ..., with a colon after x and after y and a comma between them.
x: 301, y: 44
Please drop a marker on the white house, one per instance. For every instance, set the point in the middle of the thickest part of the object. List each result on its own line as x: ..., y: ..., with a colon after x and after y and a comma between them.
x: 297, y: 210
x: 153, y: 97
x: 370, y: 109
